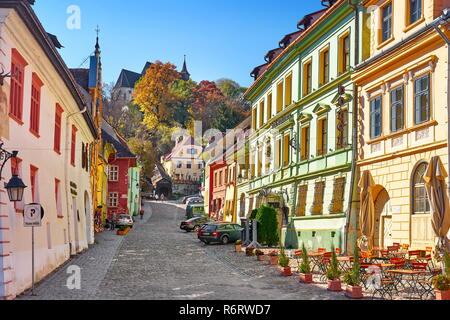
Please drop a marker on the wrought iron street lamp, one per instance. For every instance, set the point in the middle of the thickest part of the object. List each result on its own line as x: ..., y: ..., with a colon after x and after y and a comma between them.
x: 15, y: 186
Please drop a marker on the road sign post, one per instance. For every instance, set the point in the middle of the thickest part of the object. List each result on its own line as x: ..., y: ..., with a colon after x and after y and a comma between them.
x: 32, y: 217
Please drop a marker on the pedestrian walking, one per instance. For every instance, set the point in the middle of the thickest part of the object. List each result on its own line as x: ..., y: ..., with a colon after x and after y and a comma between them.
x: 142, y: 214
x: 113, y: 223
x: 162, y: 197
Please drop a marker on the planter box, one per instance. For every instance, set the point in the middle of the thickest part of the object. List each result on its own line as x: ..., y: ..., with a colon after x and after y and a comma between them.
x: 273, y: 260
x: 286, y: 271
x: 238, y: 248
x: 124, y: 232
x: 306, y: 277
x: 334, y: 285
x: 442, y: 295
x: 260, y: 258
x: 354, y: 292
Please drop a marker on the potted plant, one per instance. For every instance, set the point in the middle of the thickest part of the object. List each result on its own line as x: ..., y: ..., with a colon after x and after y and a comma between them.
x: 123, y: 230
x: 283, y: 261
x: 333, y: 274
x: 249, y: 251
x: 441, y: 282
x: 259, y: 255
x: 305, y: 268
x: 238, y: 246
x: 353, y: 289
x: 273, y: 257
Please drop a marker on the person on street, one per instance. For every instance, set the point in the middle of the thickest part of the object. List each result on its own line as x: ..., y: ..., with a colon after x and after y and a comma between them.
x: 142, y: 214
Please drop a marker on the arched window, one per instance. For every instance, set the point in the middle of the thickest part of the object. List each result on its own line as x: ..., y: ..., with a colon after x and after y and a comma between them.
x: 421, y: 205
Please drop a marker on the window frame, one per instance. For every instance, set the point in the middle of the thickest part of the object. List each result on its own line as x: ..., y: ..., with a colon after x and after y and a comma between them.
x: 344, y: 55
x: 288, y: 86
x: 380, y: 97
x: 324, y: 65
x: 414, y: 187
x: 17, y: 86
x: 113, y: 169
x: 35, y: 107
x: 392, y: 106
x: 305, y: 150
x: 116, y: 198
x: 428, y: 110
x: 345, y: 131
x: 58, y: 129
x: 307, y: 77
x: 381, y: 21
x: 408, y: 14
x: 73, y: 145
x: 322, y: 136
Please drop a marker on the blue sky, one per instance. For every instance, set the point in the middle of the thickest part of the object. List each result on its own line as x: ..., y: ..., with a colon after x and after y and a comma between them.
x: 221, y: 38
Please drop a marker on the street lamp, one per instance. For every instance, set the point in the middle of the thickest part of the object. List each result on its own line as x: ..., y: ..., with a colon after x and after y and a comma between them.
x: 15, y: 186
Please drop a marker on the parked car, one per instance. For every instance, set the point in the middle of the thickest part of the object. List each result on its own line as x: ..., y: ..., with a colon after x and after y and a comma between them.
x: 124, y: 220
x: 194, y: 224
x: 195, y: 210
x: 221, y: 232
x: 187, y: 198
x: 195, y: 200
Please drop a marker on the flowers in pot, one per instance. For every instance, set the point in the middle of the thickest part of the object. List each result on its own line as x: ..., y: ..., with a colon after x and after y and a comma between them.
x: 353, y: 279
x: 333, y: 273
x: 305, y: 268
x: 238, y: 246
x: 259, y: 255
x: 249, y: 251
x: 283, y: 261
x: 273, y: 257
x: 441, y: 282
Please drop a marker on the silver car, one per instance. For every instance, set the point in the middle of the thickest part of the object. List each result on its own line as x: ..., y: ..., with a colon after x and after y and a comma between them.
x: 124, y: 220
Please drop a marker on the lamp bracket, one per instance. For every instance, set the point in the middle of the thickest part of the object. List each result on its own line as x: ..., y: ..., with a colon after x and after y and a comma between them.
x: 4, y: 157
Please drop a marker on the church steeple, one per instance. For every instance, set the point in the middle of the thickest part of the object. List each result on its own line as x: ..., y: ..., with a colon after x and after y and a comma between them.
x: 185, y: 75
x: 97, y: 46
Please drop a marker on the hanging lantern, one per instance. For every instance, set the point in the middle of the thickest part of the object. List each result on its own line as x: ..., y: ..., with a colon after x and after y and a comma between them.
x: 15, y: 188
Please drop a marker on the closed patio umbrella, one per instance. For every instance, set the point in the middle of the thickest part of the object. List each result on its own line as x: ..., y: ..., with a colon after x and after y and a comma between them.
x: 367, y: 211
x: 435, y: 185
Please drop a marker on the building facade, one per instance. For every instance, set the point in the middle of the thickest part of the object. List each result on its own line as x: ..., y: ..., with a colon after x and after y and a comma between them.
x: 44, y: 117
x: 402, y: 89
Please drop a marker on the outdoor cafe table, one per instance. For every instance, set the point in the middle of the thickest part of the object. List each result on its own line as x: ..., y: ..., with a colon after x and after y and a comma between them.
x: 344, y: 262
x: 411, y: 282
x: 315, y: 258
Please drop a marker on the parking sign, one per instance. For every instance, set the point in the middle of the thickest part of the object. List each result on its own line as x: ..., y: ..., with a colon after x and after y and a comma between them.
x: 32, y: 215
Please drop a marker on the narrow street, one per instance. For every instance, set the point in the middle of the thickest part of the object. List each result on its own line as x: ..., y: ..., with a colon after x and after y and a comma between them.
x: 157, y: 260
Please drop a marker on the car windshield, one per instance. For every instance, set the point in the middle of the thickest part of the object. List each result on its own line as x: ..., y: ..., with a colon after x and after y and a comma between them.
x: 210, y: 228
x: 192, y: 220
x: 124, y: 217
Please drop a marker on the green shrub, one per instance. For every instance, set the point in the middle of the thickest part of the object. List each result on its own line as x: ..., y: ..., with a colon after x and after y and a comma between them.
x: 305, y: 267
x: 353, y: 278
x: 253, y: 214
x: 283, y: 261
x: 442, y: 282
x: 268, y: 225
x: 333, y: 272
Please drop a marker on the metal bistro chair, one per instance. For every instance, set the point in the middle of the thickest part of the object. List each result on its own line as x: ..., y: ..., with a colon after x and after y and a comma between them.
x: 423, y: 286
x: 413, y: 255
x: 385, y: 286
x: 338, y: 251
x: 324, y: 263
x: 298, y: 258
x: 405, y: 247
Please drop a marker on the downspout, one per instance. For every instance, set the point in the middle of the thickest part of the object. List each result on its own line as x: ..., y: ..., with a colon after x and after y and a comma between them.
x: 66, y: 174
x: 355, y: 130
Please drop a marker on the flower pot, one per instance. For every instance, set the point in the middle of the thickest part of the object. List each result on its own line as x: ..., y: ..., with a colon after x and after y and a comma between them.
x: 306, y: 277
x: 260, y: 258
x: 286, y: 271
x: 273, y: 260
x: 442, y: 295
x: 353, y: 292
x: 334, y: 285
x: 238, y: 248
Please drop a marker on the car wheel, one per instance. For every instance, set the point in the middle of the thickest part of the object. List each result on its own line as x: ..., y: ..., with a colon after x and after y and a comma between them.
x: 225, y: 240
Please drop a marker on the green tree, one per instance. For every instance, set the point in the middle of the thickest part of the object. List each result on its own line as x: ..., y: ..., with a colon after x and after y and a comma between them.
x: 268, y: 229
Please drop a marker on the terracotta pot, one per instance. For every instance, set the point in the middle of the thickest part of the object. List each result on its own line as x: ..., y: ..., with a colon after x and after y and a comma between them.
x: 334, y: 285
x: 238, y: 248
x: 306, y: 277
x: 286, y: 271
x: 353, y: 292
x: 260, y: 258
x: 442, y: 295
x: 273, y: 260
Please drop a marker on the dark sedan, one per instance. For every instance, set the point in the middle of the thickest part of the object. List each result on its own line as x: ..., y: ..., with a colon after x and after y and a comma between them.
x: 194, y: 223
x: 221, y: 232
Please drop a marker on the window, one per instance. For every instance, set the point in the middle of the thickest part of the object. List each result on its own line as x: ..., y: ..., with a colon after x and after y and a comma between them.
x: 386, y: 22
x: 301, y: 200
x: 324, y: 66
x: 16, y: 169
x: 57, y: 135
x: 113, y: 199
x: 268, y: 155
x: 342, y: 129
x: 58, y: 199
x: 278, y: 154
x: 337, y: 203
x: 422, y: 99
x: 188, y: 165
x: 322, y: 137
x: 415, y: 10
x: 254, y: 115
x: 260, y: 163
x: 288, y: 91
x: 18, y: 65
x: 317, y: 207
x: 199, y: 165
x: 375, y: 118
x: 280, y: 96
x: 33, y: 182
x: 286, y: 150
x: 36, y: 85
x: 344, y: 53
x: 261, y: 113
x: 397, y: 109
x: 73, y: 145
x: 191, y: 151
x: 269, y: 106
x: 179, y: 165
x: 113, y: 173
x: 307, y: 78
x: 304, y: 152
x: 421, y: 204
x: 252, y: 165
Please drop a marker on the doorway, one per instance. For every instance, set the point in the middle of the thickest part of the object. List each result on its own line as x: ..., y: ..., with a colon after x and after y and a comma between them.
x: 383, y: 220
x: 75, y: 223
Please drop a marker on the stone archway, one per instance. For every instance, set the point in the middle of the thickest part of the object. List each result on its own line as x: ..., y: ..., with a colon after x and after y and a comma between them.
x: 382, y: 232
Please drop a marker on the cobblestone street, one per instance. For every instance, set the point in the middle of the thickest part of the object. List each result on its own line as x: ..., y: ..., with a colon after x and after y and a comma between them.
x: 157, y: 260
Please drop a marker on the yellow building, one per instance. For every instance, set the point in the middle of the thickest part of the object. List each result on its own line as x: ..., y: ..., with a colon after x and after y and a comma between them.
x: 402, y: 90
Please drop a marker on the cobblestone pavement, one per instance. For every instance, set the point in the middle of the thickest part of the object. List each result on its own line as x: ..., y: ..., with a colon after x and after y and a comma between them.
x: 157, y: 260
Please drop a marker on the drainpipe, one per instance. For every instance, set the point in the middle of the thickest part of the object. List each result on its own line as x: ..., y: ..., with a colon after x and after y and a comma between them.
x: 66, y: 174
x: 355, y: 130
